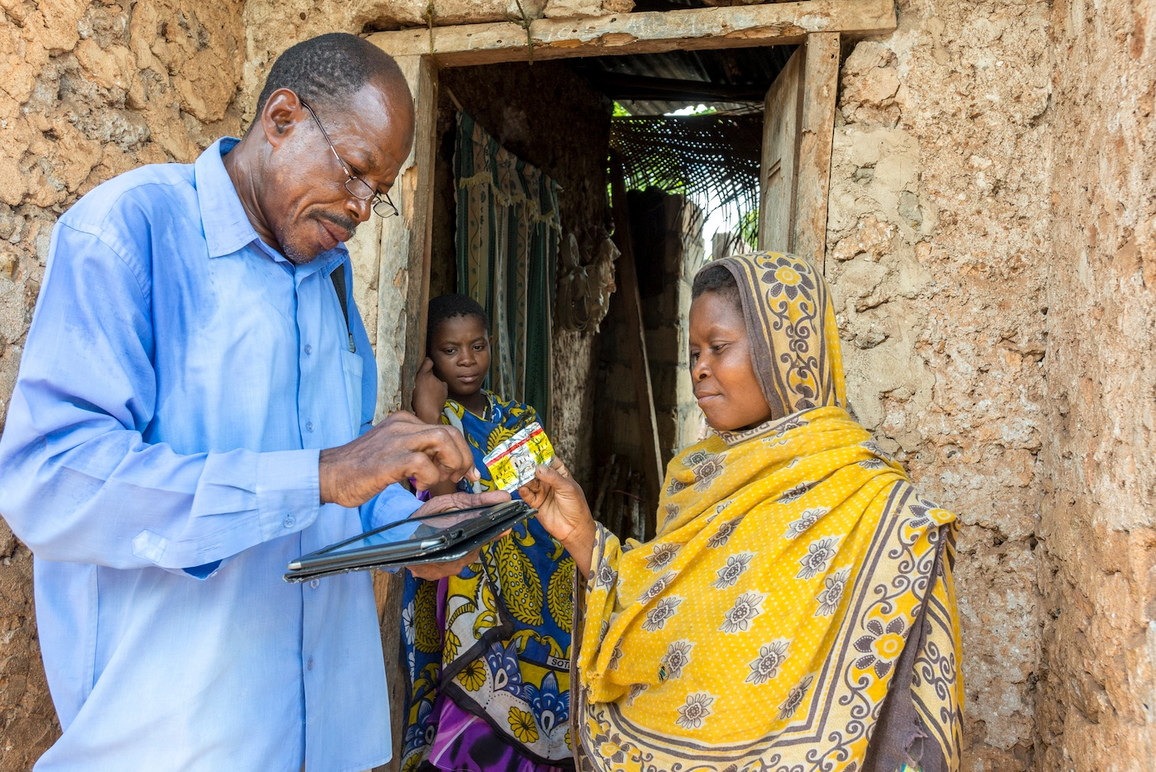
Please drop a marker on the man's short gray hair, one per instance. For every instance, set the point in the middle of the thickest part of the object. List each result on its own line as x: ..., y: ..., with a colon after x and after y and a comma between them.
x: 330, y: 68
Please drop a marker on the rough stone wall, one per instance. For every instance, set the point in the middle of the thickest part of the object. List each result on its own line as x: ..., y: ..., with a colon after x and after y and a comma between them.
x: 87, y: 90
x: 1097, y: 706
x: 937, y: 254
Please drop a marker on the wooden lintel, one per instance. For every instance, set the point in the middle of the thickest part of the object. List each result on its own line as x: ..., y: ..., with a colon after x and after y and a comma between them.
x: 641, y: 33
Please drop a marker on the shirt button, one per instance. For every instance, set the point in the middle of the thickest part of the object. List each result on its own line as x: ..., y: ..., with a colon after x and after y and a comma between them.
x: 315, y: 583
x: 288, y: 522
x: 308, y: 349
x: 309, y: 664
x: 309, y: 426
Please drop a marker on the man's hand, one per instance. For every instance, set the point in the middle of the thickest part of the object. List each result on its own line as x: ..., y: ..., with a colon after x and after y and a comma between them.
x: 429, y: 394
x: 399, y: 447
x: 434, y: 571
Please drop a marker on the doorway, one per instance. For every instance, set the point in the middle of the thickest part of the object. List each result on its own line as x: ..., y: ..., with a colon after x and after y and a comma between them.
x: 592, y: 129
x: 445, y: 65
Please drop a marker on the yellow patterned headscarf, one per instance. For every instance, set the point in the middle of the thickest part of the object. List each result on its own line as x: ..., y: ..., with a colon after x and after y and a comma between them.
x: 791, y: 323
x: 796, y: 611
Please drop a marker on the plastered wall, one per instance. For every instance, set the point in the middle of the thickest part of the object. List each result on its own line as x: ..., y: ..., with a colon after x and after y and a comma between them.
x: 990, y: 245
x: 87, y: 91
x: 1096, y: 707
x: 938, y: 247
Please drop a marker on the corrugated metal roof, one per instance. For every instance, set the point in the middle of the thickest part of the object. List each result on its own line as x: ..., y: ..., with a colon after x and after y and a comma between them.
x: 756, y: 67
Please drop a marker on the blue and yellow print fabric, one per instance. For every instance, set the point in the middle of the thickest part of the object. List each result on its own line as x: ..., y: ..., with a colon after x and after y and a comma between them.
x: 496, y: 640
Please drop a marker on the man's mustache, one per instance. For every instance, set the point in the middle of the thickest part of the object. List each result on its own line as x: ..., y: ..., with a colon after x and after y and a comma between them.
x: 346, y: 223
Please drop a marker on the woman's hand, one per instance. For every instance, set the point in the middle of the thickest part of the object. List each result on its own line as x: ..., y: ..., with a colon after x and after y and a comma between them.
x: 429, y: 394
x: 562, y: 511
x: 435, y: 571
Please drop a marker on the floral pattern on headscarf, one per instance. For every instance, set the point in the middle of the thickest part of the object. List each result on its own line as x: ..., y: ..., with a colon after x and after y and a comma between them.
x: 791, y: 323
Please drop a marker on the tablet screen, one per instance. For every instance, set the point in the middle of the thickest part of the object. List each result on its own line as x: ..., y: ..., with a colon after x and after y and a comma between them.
x: 431, y: 531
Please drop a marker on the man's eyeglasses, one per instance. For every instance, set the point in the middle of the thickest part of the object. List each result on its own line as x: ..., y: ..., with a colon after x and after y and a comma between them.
x: 357, y: 187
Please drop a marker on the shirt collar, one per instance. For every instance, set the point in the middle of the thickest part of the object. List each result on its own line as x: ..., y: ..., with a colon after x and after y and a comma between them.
x: 227, y: 228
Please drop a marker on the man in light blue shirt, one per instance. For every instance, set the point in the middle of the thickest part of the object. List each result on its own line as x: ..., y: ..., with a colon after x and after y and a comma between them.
x: 194, y: 411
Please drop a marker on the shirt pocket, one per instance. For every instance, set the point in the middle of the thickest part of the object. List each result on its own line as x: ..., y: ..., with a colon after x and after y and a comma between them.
x: 352, y: 368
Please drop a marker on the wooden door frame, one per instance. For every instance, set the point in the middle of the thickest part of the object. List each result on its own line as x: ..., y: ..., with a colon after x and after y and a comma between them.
x: 807, y: 170
x: 819, y: 24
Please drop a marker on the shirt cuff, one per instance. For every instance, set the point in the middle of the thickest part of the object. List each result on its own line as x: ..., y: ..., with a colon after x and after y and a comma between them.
x: 391, y: 505
x: 288, y: 491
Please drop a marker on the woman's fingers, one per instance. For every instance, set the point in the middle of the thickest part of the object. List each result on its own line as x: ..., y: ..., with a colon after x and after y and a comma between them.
x: 557, y: 465
x: 533, y: 493
x: 555, y: 477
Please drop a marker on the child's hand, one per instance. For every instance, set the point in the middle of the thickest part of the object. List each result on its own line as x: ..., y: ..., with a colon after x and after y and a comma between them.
x: 429, y: 394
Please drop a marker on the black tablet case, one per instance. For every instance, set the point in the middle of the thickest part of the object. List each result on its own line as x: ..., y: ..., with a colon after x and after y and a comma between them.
x: 460, y: 540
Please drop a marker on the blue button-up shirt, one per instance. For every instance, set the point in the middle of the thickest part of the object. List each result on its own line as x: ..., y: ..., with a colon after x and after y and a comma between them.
x: 160, y: 459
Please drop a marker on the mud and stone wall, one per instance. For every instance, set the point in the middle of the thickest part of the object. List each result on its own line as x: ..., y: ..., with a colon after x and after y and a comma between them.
x: 991, y: 248
x: 1097, y: 703
x: 938, y: 251
x: 87, y: 90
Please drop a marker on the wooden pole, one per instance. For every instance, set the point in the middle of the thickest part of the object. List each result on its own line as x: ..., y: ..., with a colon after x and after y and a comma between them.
x: 419, y: 183
x: 636, y: 341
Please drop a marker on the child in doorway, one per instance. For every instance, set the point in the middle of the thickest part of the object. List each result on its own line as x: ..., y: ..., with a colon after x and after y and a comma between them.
x: 488, y: 651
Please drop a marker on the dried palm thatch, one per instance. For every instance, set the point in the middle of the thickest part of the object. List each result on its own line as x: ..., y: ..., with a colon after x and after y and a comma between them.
x: 711, y: 159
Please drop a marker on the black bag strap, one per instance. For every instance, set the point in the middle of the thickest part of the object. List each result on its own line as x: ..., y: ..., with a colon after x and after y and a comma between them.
x: 338, y: 277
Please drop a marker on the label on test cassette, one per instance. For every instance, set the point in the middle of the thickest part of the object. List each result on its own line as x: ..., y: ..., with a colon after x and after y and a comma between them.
x: 512, y: 463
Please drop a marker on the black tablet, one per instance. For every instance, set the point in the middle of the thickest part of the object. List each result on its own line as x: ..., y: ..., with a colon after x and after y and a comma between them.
x: 440, y: 537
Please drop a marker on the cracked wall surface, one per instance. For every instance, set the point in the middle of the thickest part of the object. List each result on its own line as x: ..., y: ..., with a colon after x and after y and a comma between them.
x: 937, y: 253
x: 87, y: 91
x: 1097, y: 702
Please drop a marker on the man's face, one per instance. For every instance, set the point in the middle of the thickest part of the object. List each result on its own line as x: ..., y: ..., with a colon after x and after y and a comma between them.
x: 304, y: 201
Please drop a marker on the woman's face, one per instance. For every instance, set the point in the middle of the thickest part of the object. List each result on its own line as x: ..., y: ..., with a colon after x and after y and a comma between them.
x: 720, y: 364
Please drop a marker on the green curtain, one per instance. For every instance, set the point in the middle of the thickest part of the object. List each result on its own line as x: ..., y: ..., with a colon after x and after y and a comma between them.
x: 507, y: 237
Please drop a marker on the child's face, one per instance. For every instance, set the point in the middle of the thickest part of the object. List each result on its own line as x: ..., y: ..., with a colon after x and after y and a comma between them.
x: 720, y: 364
x: 460, y: 350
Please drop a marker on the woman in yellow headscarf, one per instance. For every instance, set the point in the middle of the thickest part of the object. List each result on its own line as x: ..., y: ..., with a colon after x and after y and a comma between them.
x: 796, y: 611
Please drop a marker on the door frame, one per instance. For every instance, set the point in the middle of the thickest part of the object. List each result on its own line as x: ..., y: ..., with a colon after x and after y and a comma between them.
x: 819, y: 24
x: 404, y: 248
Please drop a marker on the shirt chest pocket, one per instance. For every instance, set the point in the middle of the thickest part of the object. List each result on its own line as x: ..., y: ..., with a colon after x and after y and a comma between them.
x: 352, y: 369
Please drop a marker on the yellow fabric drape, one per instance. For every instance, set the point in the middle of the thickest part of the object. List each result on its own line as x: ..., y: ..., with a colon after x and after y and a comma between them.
x: 796, y: 576
x: 791, y: 323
